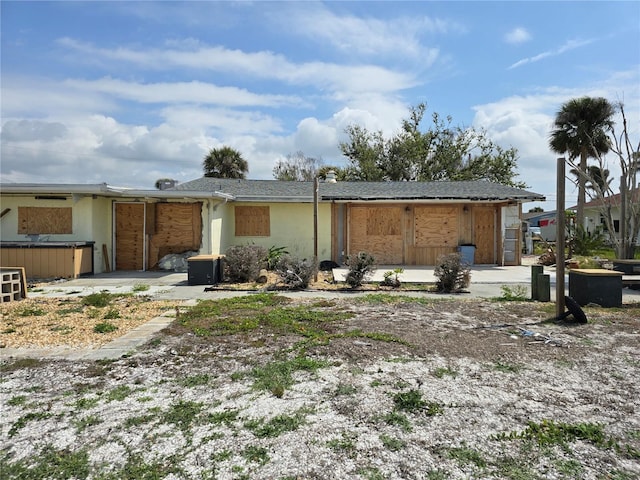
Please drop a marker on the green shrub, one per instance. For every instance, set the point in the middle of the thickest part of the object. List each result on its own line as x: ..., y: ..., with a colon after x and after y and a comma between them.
x: 295, y: 274
x: 100, y: 299
x: 452, y: 275
x: 274, y: 254
x: 361, y: 266
x: 244, y: 262
x: 104, y: 327
x: 582, y: 242
x: 392, y: 278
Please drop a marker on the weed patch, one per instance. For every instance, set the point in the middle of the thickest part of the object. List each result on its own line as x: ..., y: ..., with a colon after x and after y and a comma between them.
x: 277, y: 376
x: 412, y: 401
x: 50, y: 463
x: 277, y: 425
x: 104, y: 327
x: 182, y: 414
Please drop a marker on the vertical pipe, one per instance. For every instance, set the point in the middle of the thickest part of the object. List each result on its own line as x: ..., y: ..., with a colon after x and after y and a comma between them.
x: 560, y: 237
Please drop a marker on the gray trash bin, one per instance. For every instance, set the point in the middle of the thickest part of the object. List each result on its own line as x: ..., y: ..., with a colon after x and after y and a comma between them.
x: 468, y: 254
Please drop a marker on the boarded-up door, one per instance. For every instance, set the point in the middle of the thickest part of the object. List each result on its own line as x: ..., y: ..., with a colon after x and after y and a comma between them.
x: 436, y: 233
x: 129, y: 251
x: 484, y: 234
x: 176, y: 228
x: 377, y: 231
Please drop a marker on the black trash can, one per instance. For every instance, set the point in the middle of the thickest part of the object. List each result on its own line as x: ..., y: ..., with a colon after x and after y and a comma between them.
x: 204, y: 269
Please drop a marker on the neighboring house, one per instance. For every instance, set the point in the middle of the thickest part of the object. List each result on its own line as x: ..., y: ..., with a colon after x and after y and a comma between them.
x: 594, y: 214
x: 399, y: 223
x: 545, y: 221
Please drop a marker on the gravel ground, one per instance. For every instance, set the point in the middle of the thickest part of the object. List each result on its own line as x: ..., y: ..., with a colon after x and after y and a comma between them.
x: 402, y: 390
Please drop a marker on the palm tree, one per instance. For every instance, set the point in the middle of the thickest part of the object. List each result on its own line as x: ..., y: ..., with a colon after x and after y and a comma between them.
x: 225, y: 162
x: 598, y: 180
x: 581, y: 129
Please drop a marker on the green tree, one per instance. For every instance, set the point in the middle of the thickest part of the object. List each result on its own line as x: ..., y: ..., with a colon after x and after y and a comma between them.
x: 297, y: 167
x: 442, y: 152
x: 225, y: 162
x: 341, y: 174
x: 581, y: 129
x: 624, y: 206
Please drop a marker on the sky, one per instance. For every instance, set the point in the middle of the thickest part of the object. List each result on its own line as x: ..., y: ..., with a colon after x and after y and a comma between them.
x: 130, y: 92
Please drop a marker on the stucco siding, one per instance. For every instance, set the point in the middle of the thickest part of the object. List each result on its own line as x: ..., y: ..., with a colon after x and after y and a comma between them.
x: 291, y: 227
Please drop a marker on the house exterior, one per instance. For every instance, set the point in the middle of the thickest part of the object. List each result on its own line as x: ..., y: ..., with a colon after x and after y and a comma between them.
x: 594, y: 218
x: 67, y: 230
x: 399, y: 223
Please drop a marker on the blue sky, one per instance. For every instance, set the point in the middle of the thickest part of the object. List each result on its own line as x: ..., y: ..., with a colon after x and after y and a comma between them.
x: 129, y: 92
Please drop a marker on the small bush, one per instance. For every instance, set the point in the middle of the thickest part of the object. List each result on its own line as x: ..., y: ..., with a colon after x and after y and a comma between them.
x: 295, y: 274
x: 452, y: 275
x: 361, y: 266
x: 582, y: 242
x: 100, y: 300
x: 244, y: 262
x: 392, y: 278
x: 274, y: 254
x: 104, y: 327
x: 516, y: 293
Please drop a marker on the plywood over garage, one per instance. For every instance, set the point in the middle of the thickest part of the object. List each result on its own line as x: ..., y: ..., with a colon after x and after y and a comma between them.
x: 419, y: 234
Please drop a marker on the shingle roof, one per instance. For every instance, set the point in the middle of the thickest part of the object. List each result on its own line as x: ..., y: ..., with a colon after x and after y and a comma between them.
x: 274, y: 190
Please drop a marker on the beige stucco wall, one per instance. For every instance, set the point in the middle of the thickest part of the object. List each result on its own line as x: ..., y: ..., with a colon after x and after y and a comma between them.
x: 91, y: 221
x: 291, y: 226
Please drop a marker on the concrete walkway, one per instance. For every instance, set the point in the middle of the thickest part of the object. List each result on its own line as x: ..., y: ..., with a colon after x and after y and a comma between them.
x: 486, y: 282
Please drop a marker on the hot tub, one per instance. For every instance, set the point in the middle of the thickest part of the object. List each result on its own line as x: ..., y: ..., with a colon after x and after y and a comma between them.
x: 49, y: 259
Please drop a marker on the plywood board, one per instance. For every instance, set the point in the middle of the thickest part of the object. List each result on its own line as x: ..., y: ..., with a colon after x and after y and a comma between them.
x: 377, y: 231
x: 484, y: 234
x: 252, y: 221
x: 45, y: 220
x: 129, y: 252
x: 427, y: 255
x: 178, y: 229
x: 436, y: 226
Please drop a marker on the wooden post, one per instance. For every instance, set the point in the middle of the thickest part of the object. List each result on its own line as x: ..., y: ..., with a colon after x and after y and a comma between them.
x: 105, y: 255
x: 560, y: 237
x: 535, y: 271
x: 544, y: 288
x: 316, y: 186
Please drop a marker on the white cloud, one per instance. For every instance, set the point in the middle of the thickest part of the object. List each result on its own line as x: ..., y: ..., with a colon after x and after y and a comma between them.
x: 525, y: 122
x: 568, y: 46
x: 355, y: 35
x: 259, y: 65
x: 181, y: 92
x: 517, y: 35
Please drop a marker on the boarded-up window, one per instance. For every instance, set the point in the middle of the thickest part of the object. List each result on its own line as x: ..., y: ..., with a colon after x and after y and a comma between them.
x: 436, y: 226
x: 384, y: 221
x: 252, y: 222
x: 44, y: 220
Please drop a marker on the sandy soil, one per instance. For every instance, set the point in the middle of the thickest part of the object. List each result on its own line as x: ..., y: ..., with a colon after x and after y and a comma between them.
x: 500, y: 396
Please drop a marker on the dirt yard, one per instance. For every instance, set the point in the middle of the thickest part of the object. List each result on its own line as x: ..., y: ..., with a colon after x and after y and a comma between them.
x: 373, y: 388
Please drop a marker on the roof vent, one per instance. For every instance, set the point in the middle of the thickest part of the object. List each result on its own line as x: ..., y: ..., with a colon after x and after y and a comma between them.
x: 331, y: 177
x: 166, y: 184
